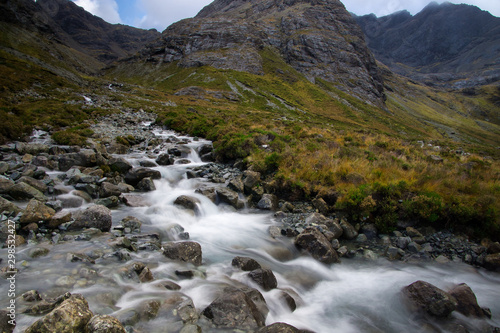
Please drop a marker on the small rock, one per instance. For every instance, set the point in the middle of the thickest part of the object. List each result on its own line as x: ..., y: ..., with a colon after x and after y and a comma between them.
x: 264, y: 278
x: 245, y: 263
x: 183, y: 251
x: 104, y: 324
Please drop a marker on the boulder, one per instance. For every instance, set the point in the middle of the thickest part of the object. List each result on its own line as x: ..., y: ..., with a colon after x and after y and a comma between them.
x: 250, y: 180
x: 23, y: 191
x: 189, y: 252
x: 71, y: 316
x: 188, y: 202
x: 494, y: 248
x: 108, y: 189
x: 36, y: 211
x: 234, y: 309
x: 96, y: 216
x: 104, y: 324
x: 279, y: 328
x: 245, y: 263
x: 492, y: 262
x: 165, y: 159
x: 348, y: 230
x: 5, y: 326
x: 135, y: 175
x: 466, y: 301
x: 131, y: 222
x: 39, y: 185
x: 8, y: 207
x: 146, y: 185
x: 268, y: 202
x: 58, y: 219
x: 321, y: 205
x: 314, y: 242
x: 236, y: 184
x: 120, y: 165
x: 264, y: 278
x: 228, y: 196
x: 427, y: 298
x: 134, y: 200
x: 5, y: 185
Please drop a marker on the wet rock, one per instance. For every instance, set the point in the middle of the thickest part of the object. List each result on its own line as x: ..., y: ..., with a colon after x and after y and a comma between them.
x: 135, y: 175
x: 234, y: 309
x: 393, y: 253
x: 23, y: 191
x: 425, y: 297
x: 279, y: 328
x: 134, y: 201
x: 165, y: 159
x: 108, y: 189
x: 5, y: 185
x: 38, y: 252
x: 236, y: 184
x: 35, y: 183
x: 32, y: 296
x: 36, y: 211
x: 317, y: 245
x: 71, y: 316
x: 108, y: 202
x: 119, y: 164
x: 8, y: 207
x: 245, y: 263
x: 148, y: 164
x: 288, y: 300
x: 208, y: 192
x: 348, y: 230
x: 104, y: 324
x: 169, y: 285
x: 188, y: 202
x: 189, y: 328
x: 131, y: 222
x: 187, y: 312
x: 369, y: 230
x: 268, y: 202
x: 96, y: 216
x: 414, y: 247
x: 264, y: 278
x: 146, y: 185
x: 412, y: 232
x: 492, y: 262
x: 6, y: 322
x: 189, y: 252
x: 146, y: 275
x: 402, y: 242
x: 466, y: 301
x: 228, y: 196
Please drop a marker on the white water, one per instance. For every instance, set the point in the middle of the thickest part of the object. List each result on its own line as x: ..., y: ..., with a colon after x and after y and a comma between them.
x: 355, y: 296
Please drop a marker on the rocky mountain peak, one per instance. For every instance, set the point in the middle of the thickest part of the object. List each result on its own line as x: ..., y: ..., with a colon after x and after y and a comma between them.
x: 318, y: 38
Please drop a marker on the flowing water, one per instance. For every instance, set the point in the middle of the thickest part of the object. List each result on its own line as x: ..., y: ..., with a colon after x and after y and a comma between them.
x: 354, y: 296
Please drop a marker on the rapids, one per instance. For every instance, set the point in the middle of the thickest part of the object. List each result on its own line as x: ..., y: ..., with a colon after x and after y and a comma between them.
x: 354, y: 296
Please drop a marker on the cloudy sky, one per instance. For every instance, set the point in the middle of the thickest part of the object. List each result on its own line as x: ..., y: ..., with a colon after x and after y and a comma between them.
x: 161, y: 13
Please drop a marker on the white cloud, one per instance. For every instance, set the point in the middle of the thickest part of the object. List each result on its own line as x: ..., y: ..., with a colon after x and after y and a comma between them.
x: 386, y: 7
x: 105, y: 9
x: 161, y: 13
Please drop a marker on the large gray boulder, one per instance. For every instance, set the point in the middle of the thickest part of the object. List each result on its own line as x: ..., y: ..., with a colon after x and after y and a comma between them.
x: 189, y: 252
x: 71, y: 316
x: 466, y: 301
x: 268, y: 202
x: 429, y: 299
x: 234, y: 309
x: 119, y: 164
x: 96, y: 216
x: 135, y: 175
x: 314, y: 242
x: 264, y: 278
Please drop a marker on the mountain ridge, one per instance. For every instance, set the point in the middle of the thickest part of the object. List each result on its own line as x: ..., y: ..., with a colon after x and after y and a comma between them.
x: 456, y: 46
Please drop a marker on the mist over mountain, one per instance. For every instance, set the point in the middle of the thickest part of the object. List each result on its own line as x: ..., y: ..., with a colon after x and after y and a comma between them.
x: 447, y: 44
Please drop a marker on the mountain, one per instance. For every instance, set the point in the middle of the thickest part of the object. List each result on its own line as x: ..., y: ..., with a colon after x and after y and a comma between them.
x: 67, y: 25
x: 318, y: 38
x: 452, y: 45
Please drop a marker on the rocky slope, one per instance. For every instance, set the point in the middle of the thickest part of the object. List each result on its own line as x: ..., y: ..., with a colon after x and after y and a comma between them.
x: 64, y: 23
x: 317, y: 38
x: 450, y: 44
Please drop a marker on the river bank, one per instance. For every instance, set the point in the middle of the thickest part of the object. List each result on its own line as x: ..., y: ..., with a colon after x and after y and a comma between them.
x: 148, y: 232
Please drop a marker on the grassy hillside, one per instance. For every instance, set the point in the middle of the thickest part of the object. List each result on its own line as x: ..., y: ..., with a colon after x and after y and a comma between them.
x: 431, y: 156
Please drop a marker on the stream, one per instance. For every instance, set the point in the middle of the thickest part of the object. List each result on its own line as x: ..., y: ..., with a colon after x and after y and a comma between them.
x: 354, y: 296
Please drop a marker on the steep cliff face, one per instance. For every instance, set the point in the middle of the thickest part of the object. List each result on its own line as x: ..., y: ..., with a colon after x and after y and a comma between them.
x: 441, y: 44
x: 319, y: 38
